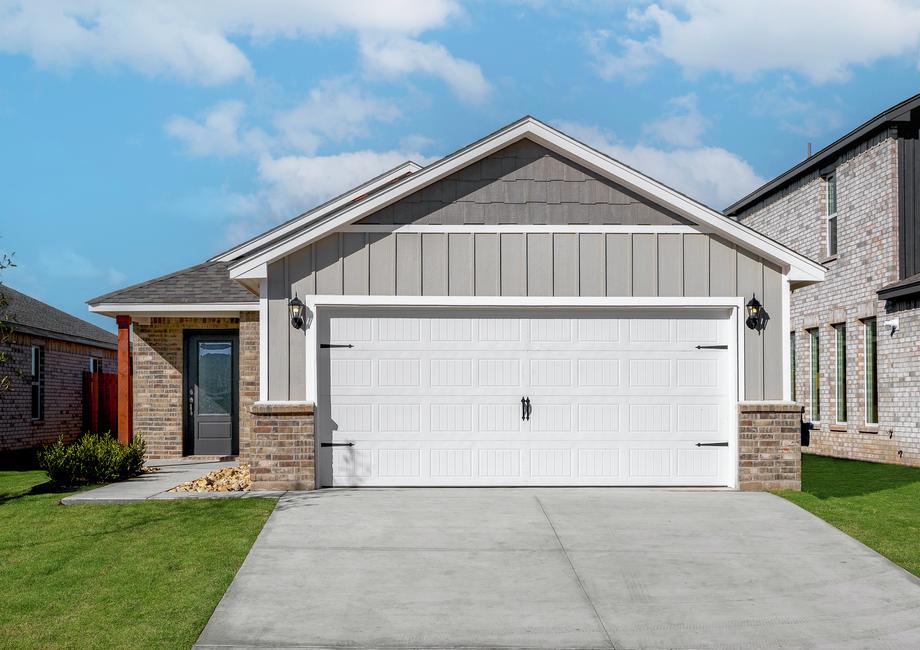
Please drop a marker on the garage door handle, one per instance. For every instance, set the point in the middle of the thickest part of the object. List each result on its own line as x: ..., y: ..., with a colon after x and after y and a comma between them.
x: 712, y: 444
x: 523, y: 408
x: 336, y: 444
x: 528, y: 409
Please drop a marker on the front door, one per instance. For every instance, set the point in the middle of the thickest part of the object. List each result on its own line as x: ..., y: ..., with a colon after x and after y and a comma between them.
x: 212, y: 379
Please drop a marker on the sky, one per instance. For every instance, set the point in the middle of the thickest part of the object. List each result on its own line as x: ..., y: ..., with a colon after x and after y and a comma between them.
x: 139, y: 138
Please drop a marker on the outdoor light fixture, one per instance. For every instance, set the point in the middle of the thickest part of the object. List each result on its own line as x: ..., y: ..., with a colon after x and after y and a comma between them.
x: 757, y: 316
x: 296, y: 308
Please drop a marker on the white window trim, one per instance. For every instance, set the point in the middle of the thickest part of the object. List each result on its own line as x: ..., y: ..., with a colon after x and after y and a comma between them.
x: 837, y: 419
x: 814, y: 387
x: 866, y: 387
x: 830, y: 216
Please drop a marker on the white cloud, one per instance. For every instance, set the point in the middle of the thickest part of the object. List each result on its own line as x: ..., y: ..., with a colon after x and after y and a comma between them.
x: 296, y: 183
x: 683, y: 127
x: 193, y: 40
x: 821, y: 40
x: 802, y: 117
x: 394, y: 57
x: 335, y: 110
x: 66, y: 263
x: 290, y: 183
x: 710, y: 175
x: 216, y: 135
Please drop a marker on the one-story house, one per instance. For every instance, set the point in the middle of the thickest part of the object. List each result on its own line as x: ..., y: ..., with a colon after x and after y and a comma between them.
x: 524, y: 311
x: 46, y: 352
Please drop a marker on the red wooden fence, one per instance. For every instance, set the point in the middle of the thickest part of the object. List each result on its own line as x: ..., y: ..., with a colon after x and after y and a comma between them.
x: 100, y: 402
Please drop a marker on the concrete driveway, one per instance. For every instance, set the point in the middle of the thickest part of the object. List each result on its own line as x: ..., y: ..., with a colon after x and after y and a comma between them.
x: 560, y: 568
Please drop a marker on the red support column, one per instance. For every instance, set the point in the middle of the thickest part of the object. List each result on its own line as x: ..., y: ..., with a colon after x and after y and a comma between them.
x: 125, y: 395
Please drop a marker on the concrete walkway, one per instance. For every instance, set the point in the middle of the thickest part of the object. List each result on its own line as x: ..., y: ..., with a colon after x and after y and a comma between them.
x: 156, y: 485
x: 560, y: 568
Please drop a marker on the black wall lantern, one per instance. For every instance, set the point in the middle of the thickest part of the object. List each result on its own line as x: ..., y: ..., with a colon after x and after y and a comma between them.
x: 757, y: 316
x: 296, y: 308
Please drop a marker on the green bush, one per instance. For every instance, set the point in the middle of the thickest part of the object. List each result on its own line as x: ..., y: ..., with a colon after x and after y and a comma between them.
x: 93, y: 458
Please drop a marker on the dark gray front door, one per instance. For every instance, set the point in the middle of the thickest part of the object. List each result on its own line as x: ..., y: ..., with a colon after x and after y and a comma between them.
x: 212, y: 378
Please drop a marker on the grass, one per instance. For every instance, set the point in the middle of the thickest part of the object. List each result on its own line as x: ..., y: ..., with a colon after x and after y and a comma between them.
x: 115, y: 576
x: 877, y: 504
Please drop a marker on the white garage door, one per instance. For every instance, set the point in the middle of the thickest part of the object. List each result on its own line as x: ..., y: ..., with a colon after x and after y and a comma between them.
x: 415, y: 396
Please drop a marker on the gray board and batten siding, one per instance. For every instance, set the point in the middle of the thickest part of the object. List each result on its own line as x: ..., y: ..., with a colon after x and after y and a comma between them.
x: 525, y: 264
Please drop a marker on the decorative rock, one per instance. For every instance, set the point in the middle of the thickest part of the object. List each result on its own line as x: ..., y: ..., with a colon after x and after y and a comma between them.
x: 229, y: 479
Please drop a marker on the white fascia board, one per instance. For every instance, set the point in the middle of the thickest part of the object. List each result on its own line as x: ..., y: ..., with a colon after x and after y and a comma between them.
x: 798, y: 267
x: 666, y: 302
x: 199, y: 310
x: 408, y: 167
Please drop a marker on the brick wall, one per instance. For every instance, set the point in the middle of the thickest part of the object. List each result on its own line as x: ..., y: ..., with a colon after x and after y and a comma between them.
x: 65, y: 363
x: 867, y: 259
x: 769, y: 455
x: 158, y: 378
x: 249, y: 377
x: 281, y: 453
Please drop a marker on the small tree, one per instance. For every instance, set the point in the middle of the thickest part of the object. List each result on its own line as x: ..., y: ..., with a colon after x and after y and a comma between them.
x: 6, y: 330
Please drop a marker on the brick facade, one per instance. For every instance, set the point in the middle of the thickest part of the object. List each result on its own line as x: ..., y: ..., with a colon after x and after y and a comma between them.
x: 867, y: 260
x: 281, y: 451
x: 65, y: 363
x: 158, y: 378
x: 769, y: 456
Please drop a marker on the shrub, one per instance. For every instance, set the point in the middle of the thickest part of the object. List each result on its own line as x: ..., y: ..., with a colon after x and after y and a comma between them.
x: 93, y: 458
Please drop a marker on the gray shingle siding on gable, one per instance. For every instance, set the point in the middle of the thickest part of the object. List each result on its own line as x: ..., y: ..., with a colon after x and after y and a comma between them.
x: 207, y: 283
x: 28, y: 315
x: 523, y: 183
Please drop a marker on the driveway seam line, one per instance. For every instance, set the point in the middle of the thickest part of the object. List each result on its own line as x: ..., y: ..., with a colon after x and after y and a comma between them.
x: 581, y: 585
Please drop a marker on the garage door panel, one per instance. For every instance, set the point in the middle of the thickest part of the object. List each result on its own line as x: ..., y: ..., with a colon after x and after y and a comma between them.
x: 436, y: 400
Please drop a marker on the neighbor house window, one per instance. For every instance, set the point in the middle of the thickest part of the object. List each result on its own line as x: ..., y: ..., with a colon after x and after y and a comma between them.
x: 832, y: 214
x: 792, y: 364
x: 871, y: 371
x: 841, y: 334
x: 95, y: 365
x: 38, y: 382
x: 815, y: 379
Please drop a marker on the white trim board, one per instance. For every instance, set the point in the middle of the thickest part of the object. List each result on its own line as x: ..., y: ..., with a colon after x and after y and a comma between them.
x: 523, y: 228
x: 797, y: 267
x: 196, y: 310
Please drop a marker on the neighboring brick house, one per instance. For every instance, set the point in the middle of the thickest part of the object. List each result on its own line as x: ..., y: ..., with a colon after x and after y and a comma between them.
x: 48, y: 352
x: 524, y: 311
x: 855, y: 207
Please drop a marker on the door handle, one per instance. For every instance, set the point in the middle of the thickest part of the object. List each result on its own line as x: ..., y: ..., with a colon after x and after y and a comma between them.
x: 523, y: 409
x: 527, y: 408
x: 191, y: 402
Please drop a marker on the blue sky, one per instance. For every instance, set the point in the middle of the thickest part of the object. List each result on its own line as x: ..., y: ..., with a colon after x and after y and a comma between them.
x: 140, y: 138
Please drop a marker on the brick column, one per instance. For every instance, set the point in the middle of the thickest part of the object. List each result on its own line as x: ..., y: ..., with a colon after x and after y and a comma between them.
x: 769, y: 446
x: 281, y: 449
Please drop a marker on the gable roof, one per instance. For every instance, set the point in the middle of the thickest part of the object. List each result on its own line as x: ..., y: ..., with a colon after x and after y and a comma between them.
x: 896, y: 114
x: 254, y: 264
x: 333, y: 204
x: 207, y: 283
x: 30, y: 316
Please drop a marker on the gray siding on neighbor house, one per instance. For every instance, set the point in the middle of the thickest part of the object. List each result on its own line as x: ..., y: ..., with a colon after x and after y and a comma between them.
x: 519, y: 264
x: 523, y: 183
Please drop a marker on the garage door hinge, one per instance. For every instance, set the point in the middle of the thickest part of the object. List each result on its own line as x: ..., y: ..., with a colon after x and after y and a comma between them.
x: 712, y: 347
x: 712, y: 444
x: 335, y: 345
x: 336, y: 444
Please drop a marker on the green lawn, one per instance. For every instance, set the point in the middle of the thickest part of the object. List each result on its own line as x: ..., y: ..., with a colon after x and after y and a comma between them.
x: 109, y: 576
x: 877, y: 504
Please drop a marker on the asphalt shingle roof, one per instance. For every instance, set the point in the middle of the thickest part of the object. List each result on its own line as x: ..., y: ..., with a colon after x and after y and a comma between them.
x: 26, y: 314
x: 205, y: 283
